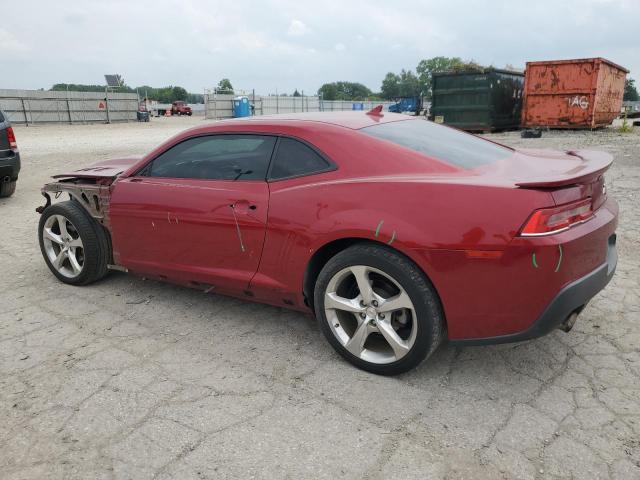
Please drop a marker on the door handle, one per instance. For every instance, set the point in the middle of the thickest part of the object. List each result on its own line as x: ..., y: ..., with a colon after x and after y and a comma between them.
x: 242, y: 206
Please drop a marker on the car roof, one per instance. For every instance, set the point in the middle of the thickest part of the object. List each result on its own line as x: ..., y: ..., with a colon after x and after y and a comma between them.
x: 349, y: 119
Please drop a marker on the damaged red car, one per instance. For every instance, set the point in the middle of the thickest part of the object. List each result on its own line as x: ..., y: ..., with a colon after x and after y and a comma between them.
x: 396, y: 232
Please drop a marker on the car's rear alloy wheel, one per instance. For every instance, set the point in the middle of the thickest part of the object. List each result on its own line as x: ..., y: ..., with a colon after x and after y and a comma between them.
x: 74, y: 246
x: 378, y: 309
x: 378, y: 324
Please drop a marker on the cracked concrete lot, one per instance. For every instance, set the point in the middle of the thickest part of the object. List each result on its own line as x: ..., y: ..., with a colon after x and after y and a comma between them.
x: 135, y: 379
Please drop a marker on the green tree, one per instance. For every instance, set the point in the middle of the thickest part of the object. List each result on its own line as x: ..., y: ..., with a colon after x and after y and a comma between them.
x: 630, y: 91
x: 296, y: 93
x: 178, y: 93
x: 344, y: 91
x: 328, y: 91
x: 75, y: 87
x: 163, y: 94
x: 390, y: 88
x: 225, y: 86
x: 409, y: 84
x: 427, y: 67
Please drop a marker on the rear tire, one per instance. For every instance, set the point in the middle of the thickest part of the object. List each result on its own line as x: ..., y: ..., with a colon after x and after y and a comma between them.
x: 388, y: 331
x: 75, y: 246
x: 7, y: 188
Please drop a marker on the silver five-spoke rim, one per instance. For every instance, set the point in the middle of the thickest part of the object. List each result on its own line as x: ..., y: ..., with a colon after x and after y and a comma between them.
x: 63, y: 246
x: 370, y: 314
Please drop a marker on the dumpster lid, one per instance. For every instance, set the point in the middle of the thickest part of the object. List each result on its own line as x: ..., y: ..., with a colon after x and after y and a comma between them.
x: 579, y: 60
x: 482, y: 71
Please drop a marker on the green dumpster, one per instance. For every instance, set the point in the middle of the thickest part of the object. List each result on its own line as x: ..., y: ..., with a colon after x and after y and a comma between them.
x: 486, y: 100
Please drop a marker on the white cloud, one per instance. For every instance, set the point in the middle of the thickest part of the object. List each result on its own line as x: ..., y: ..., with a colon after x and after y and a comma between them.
x: 10, y: 46
x: 288, y: 44
x: 297, y: 28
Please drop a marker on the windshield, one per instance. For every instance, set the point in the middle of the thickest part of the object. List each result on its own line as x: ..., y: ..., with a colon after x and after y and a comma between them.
x: 440, y: 142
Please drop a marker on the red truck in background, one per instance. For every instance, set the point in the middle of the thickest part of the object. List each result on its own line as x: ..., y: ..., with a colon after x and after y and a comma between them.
x: 180, y: 108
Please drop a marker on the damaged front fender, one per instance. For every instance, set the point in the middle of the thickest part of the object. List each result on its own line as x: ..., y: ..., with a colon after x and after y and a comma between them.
x: 93, y: 197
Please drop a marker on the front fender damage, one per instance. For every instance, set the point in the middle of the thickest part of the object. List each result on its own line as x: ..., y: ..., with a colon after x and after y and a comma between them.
x: 93, y: 196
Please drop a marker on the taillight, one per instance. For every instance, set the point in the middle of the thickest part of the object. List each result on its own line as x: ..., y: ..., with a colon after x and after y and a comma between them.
x: 547, y: 221
x: 13, y: 145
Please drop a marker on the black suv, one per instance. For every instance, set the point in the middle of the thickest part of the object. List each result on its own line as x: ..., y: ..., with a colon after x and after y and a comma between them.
x: 9, y: 158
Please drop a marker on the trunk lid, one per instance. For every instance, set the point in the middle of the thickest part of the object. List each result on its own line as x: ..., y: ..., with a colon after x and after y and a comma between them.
x: 106, y: 169
x: 567, y: 176
x: 548, y: 169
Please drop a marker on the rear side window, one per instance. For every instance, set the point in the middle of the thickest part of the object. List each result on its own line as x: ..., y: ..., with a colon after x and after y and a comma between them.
x: 293, y: 159
x: 215, y: 157
x: 439, y: 142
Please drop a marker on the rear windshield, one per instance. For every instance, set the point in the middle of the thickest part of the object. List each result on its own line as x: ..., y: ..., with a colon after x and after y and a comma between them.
x: 439, y: 142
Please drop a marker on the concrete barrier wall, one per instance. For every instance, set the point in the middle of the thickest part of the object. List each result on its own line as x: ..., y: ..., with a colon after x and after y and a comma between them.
x: 37, y: 106
x: 221, y: 106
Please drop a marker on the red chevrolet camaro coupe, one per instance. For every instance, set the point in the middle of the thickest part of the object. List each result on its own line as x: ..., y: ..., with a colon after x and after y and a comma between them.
x: 396, y: 232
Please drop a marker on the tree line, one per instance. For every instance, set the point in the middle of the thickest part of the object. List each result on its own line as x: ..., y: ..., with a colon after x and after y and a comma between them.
x: 163, y: 94
x: 406, y: 83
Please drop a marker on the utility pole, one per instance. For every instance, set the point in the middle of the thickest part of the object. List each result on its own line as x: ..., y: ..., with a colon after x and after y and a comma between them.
x: 106, y: 103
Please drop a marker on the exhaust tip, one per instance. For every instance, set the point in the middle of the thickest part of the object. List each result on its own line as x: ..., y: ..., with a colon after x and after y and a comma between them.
x: 569, y: 322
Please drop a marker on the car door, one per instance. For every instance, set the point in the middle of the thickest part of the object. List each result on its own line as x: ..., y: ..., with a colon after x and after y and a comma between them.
x: 196, y: 213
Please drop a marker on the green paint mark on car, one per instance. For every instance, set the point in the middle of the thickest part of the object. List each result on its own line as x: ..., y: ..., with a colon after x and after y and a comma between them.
x: 379, y: 226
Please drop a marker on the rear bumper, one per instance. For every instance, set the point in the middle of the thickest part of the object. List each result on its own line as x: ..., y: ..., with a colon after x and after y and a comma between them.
x: 10, y: 167
x: 572, y: 298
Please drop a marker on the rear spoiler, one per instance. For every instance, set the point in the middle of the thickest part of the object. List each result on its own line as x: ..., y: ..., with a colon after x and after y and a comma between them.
x: 593, y: 165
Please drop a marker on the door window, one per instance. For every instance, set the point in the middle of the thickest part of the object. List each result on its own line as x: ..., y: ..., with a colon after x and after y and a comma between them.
x: 215, y: 157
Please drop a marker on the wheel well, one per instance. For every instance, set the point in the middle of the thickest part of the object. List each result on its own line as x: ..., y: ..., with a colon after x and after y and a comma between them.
x: 324, y: 254
x: 318, y: 260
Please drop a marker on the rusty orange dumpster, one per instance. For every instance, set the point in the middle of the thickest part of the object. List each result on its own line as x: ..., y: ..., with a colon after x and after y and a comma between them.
x: 583, y: 93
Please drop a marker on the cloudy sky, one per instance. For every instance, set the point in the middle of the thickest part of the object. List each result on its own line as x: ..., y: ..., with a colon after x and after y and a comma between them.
x: 286, y: 44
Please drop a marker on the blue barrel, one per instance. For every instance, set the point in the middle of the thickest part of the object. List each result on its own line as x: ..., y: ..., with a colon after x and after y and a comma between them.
x: 357, y: 106
x: 241, y: 107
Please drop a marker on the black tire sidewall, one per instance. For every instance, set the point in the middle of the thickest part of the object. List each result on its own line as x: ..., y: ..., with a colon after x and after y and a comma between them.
x: 7, y: 188
x: 93, y: 246
x: 429, y: 321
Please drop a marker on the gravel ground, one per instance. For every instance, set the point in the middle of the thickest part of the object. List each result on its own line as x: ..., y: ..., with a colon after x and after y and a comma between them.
x: 136, y: 379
